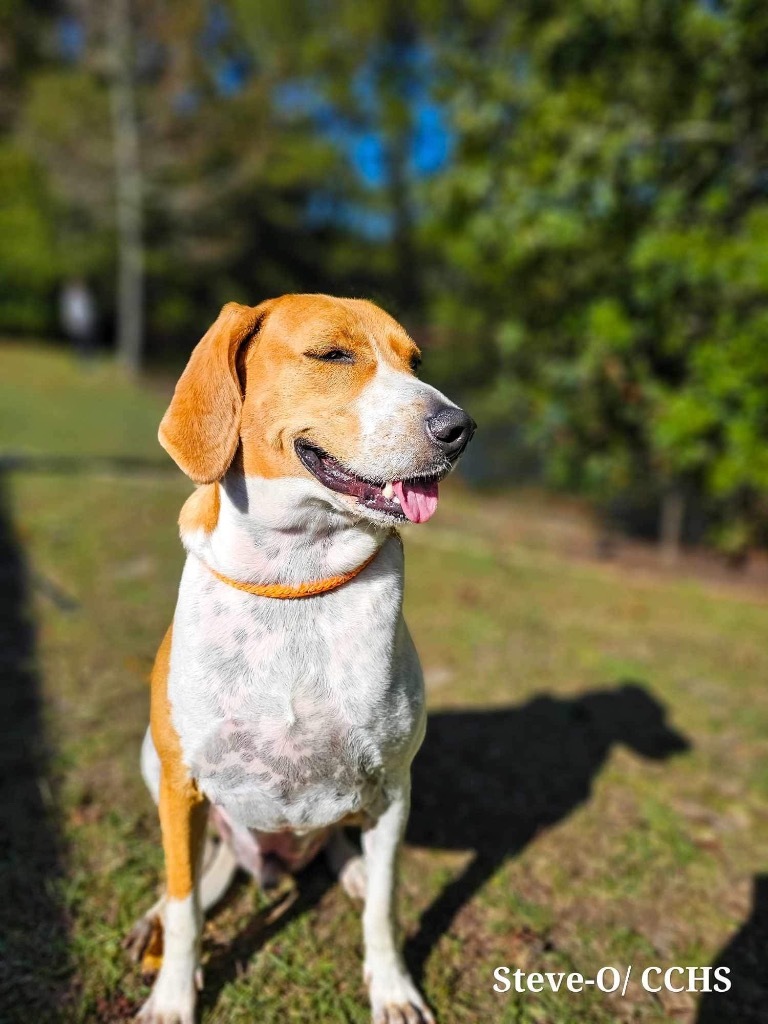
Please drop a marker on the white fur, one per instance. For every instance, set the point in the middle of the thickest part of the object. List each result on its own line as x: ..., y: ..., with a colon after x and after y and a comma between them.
x: 393, y: 994
x: 293, y: 714
x: 173, y: 995
x: 288, y: 530
x: 393, y: 444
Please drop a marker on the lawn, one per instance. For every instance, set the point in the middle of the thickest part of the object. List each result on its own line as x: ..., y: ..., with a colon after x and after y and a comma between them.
x: 593, y: 789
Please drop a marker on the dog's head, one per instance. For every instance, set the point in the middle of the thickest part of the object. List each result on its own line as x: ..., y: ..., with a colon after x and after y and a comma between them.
x: 322, y: 388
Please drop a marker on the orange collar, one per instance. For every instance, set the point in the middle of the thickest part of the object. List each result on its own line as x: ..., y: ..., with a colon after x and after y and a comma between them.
x: 285, y: 591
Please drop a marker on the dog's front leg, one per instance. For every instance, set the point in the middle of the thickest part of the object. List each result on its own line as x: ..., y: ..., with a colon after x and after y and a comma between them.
x: 183, y: 817
x: 394, y: 997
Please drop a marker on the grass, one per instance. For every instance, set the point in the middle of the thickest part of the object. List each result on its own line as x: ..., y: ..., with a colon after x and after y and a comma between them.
x: 593, y: 789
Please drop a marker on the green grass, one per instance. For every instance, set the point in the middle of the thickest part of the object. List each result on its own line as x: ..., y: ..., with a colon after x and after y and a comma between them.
x: 50, y: 404
x: 556, y: 828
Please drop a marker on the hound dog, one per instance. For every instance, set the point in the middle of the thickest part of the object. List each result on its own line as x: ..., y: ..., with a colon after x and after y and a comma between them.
x: 287, y: 698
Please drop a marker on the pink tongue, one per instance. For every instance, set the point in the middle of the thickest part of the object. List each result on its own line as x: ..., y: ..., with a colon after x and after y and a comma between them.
x: 417, y: 500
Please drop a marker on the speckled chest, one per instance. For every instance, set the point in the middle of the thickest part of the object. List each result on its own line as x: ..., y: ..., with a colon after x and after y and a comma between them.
x: 294, y: 714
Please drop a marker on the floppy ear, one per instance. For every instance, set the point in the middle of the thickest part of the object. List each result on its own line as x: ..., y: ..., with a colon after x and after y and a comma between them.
x: 201, y: 427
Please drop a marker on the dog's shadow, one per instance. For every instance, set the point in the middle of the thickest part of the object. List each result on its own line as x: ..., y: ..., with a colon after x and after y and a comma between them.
x: 742, y: 963
x: 488, y: 781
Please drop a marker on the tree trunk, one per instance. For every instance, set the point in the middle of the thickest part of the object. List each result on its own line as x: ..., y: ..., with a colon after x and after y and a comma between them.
x: 407, y: 272
x: 671, y: 519
x: 399, y: 40
x: 128, y: 190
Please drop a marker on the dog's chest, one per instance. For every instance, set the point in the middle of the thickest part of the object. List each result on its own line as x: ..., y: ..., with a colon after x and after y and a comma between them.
x: 291, y: 714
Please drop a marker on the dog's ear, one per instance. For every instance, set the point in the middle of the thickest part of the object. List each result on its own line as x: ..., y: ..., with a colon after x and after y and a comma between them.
x: 201, y: 427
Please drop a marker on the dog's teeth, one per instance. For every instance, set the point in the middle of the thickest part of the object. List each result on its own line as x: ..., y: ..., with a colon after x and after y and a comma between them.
x: 396, y: 499
x: 388, y: 490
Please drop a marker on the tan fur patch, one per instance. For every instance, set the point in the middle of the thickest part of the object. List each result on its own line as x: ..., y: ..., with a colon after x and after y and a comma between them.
x: 183, y: 808
x: 200, y: 429
x: 201, y: 510
x: 152, y: 959
x: 251, y: 380
x: 289, y: 394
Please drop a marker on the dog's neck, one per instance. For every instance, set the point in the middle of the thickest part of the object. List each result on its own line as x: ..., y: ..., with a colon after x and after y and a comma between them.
x: 281, y: 531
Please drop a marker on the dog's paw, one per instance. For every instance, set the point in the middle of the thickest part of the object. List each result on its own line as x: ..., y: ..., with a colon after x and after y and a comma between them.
x: 172, y: 1001
x: 353, y: 878
x: 396, y: 1000
x: 402, y: 1013
x: 144, y: 943
x: 155, y: 1012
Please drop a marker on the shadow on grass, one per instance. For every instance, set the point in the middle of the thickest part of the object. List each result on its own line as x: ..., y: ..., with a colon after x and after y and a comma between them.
x: 227, y: 962
x: 490, y: 780
x: 34, y: 965
x: 746, y: 958
x: 487, y: 781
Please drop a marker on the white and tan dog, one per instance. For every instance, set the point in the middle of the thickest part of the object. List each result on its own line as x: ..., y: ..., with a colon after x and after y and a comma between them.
x: 287, y: 696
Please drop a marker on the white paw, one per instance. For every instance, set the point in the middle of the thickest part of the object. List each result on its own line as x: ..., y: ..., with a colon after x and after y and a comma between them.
x: 353, y: 878
x: 171, y: 1002
x: 396, y: 1000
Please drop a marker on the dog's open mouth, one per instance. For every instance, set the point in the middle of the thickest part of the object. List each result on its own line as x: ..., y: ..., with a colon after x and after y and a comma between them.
x: 414, y: 499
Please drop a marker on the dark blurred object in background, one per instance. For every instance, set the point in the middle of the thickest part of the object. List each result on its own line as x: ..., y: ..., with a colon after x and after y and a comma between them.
x: 77, y: 308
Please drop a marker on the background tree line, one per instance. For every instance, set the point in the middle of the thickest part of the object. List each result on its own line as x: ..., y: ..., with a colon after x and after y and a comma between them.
x: 567, y: 202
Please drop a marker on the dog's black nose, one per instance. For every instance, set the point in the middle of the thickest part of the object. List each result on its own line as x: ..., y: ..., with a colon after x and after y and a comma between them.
x: 451, y: 428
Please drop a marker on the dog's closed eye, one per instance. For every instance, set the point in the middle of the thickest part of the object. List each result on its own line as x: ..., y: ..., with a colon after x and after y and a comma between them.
x: 332, y: 355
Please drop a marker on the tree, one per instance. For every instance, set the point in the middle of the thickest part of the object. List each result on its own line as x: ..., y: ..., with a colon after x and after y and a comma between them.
x: 128, y: 187
x: 234, y: 193
x: 27, y: 262
x: 602, y: 228
x: 363, y: 74
x: 27, y: 268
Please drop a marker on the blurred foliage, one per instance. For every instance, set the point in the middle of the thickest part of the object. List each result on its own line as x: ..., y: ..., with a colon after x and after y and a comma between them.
x: 27, y: 268
x: 230, y: 175
x: 587, y: 265
x: 603, y: 226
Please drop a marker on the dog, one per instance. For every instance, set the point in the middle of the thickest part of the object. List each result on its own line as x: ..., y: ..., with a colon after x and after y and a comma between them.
x: 287, y: 700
